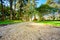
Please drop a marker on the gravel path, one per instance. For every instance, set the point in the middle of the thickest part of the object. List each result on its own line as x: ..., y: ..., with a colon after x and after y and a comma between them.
x: 29, y: 31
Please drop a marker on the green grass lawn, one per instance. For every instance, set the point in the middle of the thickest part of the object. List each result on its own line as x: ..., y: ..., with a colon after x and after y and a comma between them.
x: 10, y: 22
x: 53, y: 23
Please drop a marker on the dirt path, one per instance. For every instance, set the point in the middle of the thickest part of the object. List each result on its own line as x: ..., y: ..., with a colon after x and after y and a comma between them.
x: 29, y: 31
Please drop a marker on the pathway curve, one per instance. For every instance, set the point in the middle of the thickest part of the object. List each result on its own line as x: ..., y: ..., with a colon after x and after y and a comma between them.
x: 29, y: 31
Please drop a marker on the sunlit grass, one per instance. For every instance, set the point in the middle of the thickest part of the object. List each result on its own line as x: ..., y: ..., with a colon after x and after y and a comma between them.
x: 10, y: 21
x: 53, y: 23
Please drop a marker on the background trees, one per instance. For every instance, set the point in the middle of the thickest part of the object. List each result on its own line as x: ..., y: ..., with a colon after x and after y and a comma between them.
x: 26, y: 10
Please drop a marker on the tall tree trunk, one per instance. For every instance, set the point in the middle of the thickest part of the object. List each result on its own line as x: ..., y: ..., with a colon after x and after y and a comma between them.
x: 11, y: 1
x: 21, y: 5
x: 2, y: 11
x: 14, y: 10
x: 53, y: 16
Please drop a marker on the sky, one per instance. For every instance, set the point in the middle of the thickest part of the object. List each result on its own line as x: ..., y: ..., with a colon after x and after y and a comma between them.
x: 38, y: 4
x: 41, y: 2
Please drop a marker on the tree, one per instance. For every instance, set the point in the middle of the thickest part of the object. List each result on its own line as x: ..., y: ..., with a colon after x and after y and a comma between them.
x: 2, y: 10
x: 14, y: 11
x: 44, y: 9
x: 11, y: 10
x: 20, y: 5
x: 54, y: 4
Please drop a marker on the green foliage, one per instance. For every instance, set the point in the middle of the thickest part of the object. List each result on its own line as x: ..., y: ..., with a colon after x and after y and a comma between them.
x: 46, y: 8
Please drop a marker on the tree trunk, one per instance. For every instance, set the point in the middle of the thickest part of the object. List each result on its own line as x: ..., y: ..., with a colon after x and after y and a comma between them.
x: 11, y: 9
x: 2, y: 11
x: 53, y: 16
x: 35, y: 19
x: 14, y: 10
x: 21, y: 11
